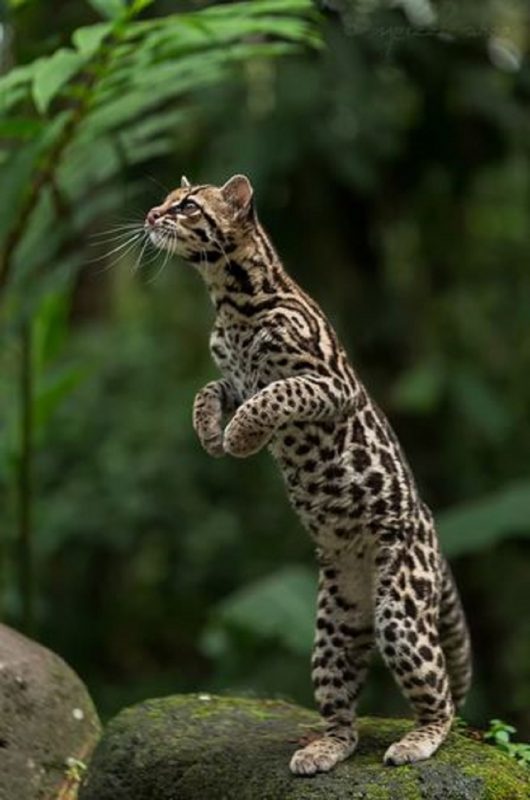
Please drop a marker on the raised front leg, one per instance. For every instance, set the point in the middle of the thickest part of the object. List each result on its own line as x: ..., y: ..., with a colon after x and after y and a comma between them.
x: 304, y: 398
x: 212, y: 402
x: 406, y: 623
x: 343, y: 644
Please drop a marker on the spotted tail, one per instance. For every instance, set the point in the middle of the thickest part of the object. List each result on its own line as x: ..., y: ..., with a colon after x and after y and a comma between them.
x: 454, y: 638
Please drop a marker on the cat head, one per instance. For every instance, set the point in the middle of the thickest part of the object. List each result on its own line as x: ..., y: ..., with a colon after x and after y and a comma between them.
x: 200, y: 222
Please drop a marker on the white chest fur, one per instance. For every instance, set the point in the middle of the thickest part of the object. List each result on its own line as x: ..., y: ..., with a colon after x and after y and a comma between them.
x: 236, y: 350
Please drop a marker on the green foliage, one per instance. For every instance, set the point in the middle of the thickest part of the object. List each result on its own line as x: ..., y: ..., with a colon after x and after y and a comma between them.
x: 288, y: 595
x: 475, y: 526
x: 54, y: 73
x: 88, y: 40
x: 51, y: 379
x: 109, y: 8
x: 500, y: 734
x: 49, y: 330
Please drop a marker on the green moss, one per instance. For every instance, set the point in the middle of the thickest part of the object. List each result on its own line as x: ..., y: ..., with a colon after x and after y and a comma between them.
x: 204, y: 748
x: 500, y: 782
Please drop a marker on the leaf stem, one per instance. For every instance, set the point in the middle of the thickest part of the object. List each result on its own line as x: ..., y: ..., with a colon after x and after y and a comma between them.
x: 25, y: 482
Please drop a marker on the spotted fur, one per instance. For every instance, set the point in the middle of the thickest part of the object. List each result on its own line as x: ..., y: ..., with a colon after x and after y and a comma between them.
x: 288, y: 385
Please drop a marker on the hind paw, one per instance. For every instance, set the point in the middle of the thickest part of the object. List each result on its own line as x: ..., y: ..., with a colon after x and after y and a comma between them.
x: 319, y: 756
x: 408, y: 753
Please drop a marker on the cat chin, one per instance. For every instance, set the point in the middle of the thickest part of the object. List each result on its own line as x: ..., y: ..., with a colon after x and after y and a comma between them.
x: 161, y: 242
x: 156, y: 239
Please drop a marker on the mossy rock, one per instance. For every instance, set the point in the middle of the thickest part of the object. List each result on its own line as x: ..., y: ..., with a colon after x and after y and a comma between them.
x: 200, y: 747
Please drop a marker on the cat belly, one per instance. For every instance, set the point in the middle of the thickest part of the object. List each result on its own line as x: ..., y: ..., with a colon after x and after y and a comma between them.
x: 322, y: 486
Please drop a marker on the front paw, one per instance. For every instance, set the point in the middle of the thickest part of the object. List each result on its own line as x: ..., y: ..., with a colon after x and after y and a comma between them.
x: 212, y: 442
x: 207, y: 423
x: 210, y: 434
x: 241, y: 440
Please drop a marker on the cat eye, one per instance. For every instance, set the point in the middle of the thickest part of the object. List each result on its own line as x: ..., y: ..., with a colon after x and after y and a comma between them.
x: 189, y: 207
x: 184, y: 207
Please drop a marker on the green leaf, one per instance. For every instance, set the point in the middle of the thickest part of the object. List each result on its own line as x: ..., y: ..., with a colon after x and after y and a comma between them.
x: 420, y: 388
x: 38, y: 246
x: 18, y: 75
x: 134, y: 96
x: 15, y: 176
x: 481, y: 404
x: 477, y: 525
x: 251, y: 7
x: 89, y: 164
x: 53, y: 392
x: 139, y: 5
x: 14, y: 84
x: 279, y: 607
x: 53, y: 74
x: 109, y: 8
x: 50, y: 328
x: 502, y: 736
x: 19, y: 128
x: 88, y: 39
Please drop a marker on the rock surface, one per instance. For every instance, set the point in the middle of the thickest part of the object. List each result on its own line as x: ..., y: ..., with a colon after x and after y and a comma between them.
x: 219, y: 748
x: 46, y: 719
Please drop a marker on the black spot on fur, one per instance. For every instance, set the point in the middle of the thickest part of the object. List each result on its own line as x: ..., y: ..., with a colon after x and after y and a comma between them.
x: 410, y: 607
x: 361, y: 460
x: 374, y: 481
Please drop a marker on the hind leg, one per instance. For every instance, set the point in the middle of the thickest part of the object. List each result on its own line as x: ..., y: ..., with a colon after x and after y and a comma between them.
x: 343, y: 643
x: 406, y: 611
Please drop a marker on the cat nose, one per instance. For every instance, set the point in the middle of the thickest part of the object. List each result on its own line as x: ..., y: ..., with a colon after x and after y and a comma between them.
x: 153, y: 215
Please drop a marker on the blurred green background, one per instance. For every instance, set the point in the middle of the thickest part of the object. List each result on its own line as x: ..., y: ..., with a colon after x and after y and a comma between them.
x: 388, y: 144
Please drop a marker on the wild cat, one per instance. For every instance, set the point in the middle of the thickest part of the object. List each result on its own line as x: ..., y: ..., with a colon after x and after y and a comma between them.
x: 287, y: 385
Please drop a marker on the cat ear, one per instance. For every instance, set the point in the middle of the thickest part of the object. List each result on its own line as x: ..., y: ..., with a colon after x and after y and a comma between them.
x: 184, y: 183
x: 239, y: 193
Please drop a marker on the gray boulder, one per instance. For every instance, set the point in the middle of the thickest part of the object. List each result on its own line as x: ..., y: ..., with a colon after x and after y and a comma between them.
x: 220, y: 748
x: 48, y: 724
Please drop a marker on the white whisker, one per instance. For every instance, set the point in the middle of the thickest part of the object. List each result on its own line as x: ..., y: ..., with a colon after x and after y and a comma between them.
x: 117, y: 260
x: 116, y: 249
x: 152, y: 258
x: 138, y: 263
x: 164, y: 262
x: 112, y: 239
x: 122, y: 230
